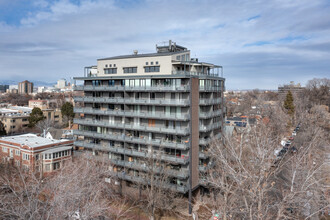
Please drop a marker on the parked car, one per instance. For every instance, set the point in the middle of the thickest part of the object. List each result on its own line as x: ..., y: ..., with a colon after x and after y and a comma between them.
x: 293, y: 149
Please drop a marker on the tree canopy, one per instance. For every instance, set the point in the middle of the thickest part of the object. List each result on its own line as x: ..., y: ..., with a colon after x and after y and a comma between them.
x: 67, y: 111
x: 35, y: 116
x: 288, y: 103
x: 2, y: 129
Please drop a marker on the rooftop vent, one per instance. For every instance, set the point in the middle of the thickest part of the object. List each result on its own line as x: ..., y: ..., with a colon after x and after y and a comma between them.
x: 135, y: 52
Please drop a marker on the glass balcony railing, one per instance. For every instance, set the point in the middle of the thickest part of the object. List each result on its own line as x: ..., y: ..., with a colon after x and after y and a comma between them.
x: 181, y: 116
x: 209, y: 140
x: 210, y: 101
x: 183, y: 145
x: 210, y: 127
x: 118, y: 149
x: 143, y: 180
x: 102, y: 123
x: 183, y: 173
x: 209, y: 88
x: 174, y: 102
x: 209, y: 114
x: 180, y: 88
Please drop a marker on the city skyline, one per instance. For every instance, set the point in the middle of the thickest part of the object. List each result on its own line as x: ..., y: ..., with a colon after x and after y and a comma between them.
x: 259, y: 45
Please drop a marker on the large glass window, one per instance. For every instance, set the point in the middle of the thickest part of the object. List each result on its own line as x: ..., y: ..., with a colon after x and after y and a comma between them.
x: 110, y: 71
x: 151, y: 69
x: 130, y: 69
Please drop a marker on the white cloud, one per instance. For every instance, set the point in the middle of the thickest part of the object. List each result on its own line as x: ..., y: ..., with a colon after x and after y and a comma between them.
x: 64, y: 37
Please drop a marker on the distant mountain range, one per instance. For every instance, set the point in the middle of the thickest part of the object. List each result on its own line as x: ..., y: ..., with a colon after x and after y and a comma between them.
x: 35, y: 83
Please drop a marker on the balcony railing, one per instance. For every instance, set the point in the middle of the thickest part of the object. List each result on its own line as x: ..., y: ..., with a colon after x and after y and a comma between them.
x: 181, y: 88
x: 210, y: 127
x: 183, y: 173
x: 194, y: 73
x: 174, y: 102
x: 209, y: 88
x: 210, y: 101
x: 180, y: 131
x: 184, y: 145
x: 209, y: 140
x: 210, y: 114
x: 132, y: 152
x: 181, y: 116
x: 143, y: 180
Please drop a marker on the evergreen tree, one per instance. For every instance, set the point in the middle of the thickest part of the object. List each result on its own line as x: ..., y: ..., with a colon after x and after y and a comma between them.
x: 288, y: 103
x: 67, y: 111
x: 3, y: 131
x: 35, y: 116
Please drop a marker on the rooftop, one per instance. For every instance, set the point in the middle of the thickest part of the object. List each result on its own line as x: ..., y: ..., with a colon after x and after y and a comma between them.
x: 30, y: 140
x: 143, y: 55
x: 57, y: 149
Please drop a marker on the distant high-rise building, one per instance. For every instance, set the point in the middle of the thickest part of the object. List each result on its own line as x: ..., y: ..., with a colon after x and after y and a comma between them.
x: 3, y: 88
x: 25, y: 87
x: 61, y: 84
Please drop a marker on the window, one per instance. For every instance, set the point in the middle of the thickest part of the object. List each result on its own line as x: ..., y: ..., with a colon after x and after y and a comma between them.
x: 37, y: 156
x: 147, y: 63
x: 24, y: 119
x: 56, y: 165
x: 110, y: 71
x: 106, y: 65
x: 45, y: 156
x: 47, y: 167
x: 18, y: 152
x: 178, y: 57
x: 25, y: 167
x: 17, y: 163
x: 111, y: 82
x: 4, y: 149
x: 114, y: 65
x: 110, y: 65
x: 150, y: 69
x: 151, y: 63
x: 130, y: 69
x: 156, y: 62
x: 26, y: 156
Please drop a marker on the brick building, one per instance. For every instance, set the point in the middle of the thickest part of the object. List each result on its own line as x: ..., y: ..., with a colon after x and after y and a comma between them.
x: 35, y: 153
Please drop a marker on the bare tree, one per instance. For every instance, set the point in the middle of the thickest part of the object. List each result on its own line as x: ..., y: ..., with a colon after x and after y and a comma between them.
x: 251, y: 183
x: 45, y: 125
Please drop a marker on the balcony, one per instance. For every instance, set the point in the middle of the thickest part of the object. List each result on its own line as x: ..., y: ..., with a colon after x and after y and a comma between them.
x: 209, y: 89
x: 194, y: 73
x: 165, y: 102
x: 143, y: 180
x: 159, y: 88
x: 209, y: 140
x: 183, y: 173
x: 180, y: 131
x: 205, y: 128
x: 135, y: 140
x: 177, y: 117
x: 210, y: 101
x: 210, y: 114
x: 132, y: 152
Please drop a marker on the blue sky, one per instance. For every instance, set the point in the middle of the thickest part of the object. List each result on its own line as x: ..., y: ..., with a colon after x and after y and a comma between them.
x: 260, y: 44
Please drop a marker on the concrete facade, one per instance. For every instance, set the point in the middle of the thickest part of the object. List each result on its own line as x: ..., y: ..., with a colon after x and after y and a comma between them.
x: 163, y: 105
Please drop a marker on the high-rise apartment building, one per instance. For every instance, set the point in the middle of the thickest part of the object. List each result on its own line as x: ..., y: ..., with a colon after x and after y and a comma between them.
x: 25, y: 87
x: 162, y: 105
